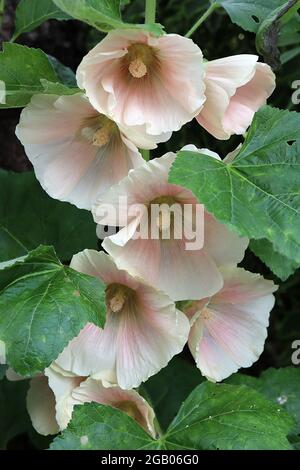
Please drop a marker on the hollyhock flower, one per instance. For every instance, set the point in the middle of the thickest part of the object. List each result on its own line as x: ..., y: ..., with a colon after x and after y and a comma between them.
x: 228, y: 330
x: 76, y: 152
x: 165, y: 262
x: 51, y: 399
x: 143, y: 329
x: 154, y: 84
x: 236, y: 87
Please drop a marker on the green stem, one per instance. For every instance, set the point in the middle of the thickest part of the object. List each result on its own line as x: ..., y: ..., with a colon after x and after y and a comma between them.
x: 150, y: 11
x: 201, y: 20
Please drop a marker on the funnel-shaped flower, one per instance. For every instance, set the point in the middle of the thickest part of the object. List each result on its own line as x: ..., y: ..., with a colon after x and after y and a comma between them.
x: 236, y: 87
x: 51, y: 399
x: 76, y: 152
x: 228, y: 330
x: 163, y: 258
x: 143, y: 329
x: 154, y: 84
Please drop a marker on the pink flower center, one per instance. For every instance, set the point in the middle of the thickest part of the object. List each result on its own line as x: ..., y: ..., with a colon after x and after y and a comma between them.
x: 99, y: 130
x: 117, y: 297
x: 139, y: 59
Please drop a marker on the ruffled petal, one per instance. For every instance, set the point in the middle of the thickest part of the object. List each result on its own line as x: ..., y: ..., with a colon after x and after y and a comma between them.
x: 128, y: 401
x: 67, y: 164
x: 169, y: 95
x: 231, y: 328
x: 236, y: 87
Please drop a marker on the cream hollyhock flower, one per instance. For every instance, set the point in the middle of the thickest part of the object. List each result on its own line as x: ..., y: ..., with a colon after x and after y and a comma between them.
x: 51, y: 399
x: 166, y: 263
x: 228, y: 330
x: 76, y: 152
x: 236, y: 87
x: 143, y: 329
x: 154, y: 84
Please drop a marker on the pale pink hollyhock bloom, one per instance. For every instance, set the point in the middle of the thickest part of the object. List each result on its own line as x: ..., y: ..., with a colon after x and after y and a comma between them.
x: 143, y: 329
x: 228, y: 330
x: 166, y: 263
x: 76, y: 152
x: 236, y: 87
x: 155, y: 84
x: 51, y: 399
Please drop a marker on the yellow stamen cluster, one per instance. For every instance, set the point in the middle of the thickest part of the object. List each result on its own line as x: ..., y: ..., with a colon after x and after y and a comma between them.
x: 139, y: 59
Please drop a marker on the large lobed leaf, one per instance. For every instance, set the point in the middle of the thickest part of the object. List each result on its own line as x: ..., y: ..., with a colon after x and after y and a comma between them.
x: 43, y: 305
x: 31, y: 13
x: 212, y: 417
x: 257, y: 193
x: 102, y: 14
x: 21, y: 70
x: 278, y: 385
x: 250, y: 14
x: 29, y: 217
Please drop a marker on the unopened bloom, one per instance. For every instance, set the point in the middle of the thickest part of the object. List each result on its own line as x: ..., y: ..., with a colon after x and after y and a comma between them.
x: 228, y: 330
x: 236, y: 87
x: 143, y: 329
x: 165, y: 262
x: 76, y: 152
x: 154, y: 84
x: 51, y: 399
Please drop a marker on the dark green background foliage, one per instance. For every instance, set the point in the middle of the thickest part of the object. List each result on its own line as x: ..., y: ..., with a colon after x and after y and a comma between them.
x: 29, y: 218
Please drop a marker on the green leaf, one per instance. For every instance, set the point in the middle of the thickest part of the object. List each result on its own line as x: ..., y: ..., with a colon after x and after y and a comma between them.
x: 278, y: 385
x: 57, y: 88
x: 212, y: 417
x: 31, y: 13
x: 43, y: 305
x: 21, y: 70
x: 64, y: 73
x: 257, y: 193
x: 280, y: 265
x: 103, y: 15
x: 99, y: 427
x: 228, y: 417
x: 268, y: 34
x: 14, y: 419
x: 250, y: 14
x: 29, y: 217
x: 170, y: 387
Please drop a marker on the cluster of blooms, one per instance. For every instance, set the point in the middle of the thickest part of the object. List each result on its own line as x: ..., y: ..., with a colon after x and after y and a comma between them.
x: 138, y: 89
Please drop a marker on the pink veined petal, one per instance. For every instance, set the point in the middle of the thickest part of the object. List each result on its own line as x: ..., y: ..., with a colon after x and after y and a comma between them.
x: 41, y: 406
x: 248, y: 99
x: 231, y: 330
x: 167, y: 265
x: 236, y: 87
x: 137, y: 341
x: 67, y: 164
x: 140, y: 187
x: 158, y: 102
x: 150, y: 333
x: 128, y: 401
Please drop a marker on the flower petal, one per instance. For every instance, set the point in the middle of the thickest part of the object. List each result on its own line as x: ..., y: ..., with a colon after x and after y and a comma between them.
x: 41, y: 406
x: 67, y: 164
x: 231, y: 329
x: 128, y: 401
